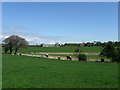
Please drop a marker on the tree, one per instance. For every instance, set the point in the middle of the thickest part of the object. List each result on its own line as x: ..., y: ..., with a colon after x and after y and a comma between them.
x: 88, y: 44
x: 81, y: 57
x: 118, y: 49
x: 8, y: 44
x: 92, y: 44
x: 15, y: 42
x: 109, y: 51
x: 6, y: 48
x: 117, y: 44
x: 98, y: 44
x: 104, y: 44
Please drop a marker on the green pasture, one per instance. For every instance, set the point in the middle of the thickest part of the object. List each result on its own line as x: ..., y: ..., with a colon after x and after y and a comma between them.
x: 60, y: 49
x: 32, y: 72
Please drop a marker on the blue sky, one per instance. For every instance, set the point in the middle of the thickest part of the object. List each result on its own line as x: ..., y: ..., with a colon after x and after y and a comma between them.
x: 50, y: 22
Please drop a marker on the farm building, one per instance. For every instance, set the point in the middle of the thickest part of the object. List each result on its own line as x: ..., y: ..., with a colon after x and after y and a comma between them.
x: 50, y: 45
x: 74, y: 44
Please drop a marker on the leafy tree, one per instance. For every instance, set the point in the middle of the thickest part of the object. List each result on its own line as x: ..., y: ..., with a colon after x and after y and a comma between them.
x: 88, y: 44
x: 98, y: 44
x: 81, y: 57
x: 15, y: 42
x: 104, y: 44
x: 118, y: 49
x: 109, y: 51
x: 6, y: 48
x: 8, y: 44
x: 117, y: 43
x: 92, y: 44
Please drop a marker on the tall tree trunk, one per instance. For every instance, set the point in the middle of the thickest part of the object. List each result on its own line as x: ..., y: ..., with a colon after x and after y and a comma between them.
x: 16, y: 49
x: 6, y: 50
x: 10, y: 50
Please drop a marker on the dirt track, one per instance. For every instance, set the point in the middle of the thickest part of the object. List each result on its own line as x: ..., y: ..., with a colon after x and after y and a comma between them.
x: 55, y: 57
x: 64, y: 53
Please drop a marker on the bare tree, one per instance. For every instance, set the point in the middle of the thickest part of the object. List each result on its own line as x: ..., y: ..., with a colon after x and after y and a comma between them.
x: 15, y: 42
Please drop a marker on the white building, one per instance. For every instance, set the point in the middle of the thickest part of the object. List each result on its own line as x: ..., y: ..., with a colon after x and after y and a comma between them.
x: 50, y: 45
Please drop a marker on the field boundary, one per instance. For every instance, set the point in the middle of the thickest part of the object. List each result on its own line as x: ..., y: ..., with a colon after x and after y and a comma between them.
x: 62, y: 53
x: 56, y: 57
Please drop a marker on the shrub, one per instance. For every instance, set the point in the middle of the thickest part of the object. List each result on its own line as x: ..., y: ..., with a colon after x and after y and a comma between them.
x: 82, y: 57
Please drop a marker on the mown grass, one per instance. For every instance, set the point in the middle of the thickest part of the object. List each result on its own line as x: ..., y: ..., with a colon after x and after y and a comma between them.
x: 31, y: 72
x: 60, y: 49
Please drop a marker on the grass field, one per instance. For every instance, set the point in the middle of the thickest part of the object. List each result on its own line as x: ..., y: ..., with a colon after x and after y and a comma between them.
x: 60, y: 49
x: 31, y: 72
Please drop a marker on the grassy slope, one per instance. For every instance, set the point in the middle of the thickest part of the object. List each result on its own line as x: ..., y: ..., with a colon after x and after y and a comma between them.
x: 60, y: 49
x: 29, y: 72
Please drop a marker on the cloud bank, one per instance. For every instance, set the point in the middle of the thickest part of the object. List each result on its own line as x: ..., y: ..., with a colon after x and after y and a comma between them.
x: 32, y: 39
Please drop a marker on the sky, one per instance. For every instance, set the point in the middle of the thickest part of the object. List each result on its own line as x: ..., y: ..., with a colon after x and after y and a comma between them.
x: 60, y: 22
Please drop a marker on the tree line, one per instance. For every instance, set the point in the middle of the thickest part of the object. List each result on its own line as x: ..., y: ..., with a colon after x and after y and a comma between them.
x: 87, y: 44
x: 90, y: 44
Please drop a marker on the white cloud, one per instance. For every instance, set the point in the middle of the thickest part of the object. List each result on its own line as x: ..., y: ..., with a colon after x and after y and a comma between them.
x: 31, y: 39
x: 59, y: 42
x: 1, y: 36
x: 5, y: 36
x: 52, y: 42
x: 73, y: 42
